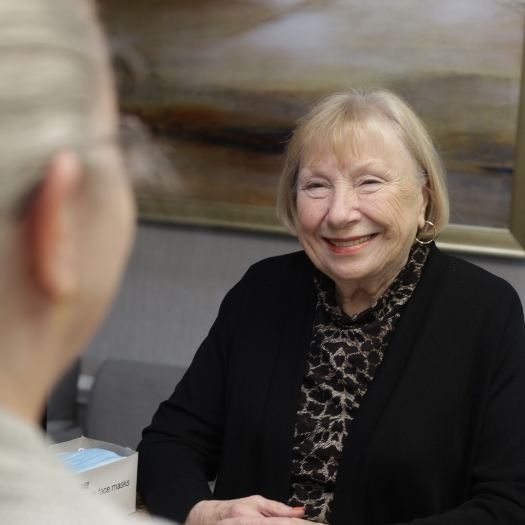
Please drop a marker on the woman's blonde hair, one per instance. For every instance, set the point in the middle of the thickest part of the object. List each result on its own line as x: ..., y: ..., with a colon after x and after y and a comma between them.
x: 53, y: 75
x: 327, y: 126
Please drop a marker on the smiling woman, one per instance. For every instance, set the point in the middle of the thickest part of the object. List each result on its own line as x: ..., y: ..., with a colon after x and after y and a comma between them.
x: 361, y: 180
x: 358, y: 213
x: 369, y: 379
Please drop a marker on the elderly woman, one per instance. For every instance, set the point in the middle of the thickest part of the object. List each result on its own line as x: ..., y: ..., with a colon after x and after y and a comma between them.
x: 62, y: 183
x: 369, y: 379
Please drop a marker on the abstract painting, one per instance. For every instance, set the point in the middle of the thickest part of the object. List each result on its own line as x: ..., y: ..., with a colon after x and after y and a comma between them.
x: 222, y: 83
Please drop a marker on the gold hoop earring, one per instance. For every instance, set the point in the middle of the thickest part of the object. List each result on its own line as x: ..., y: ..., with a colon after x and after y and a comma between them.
x: 434, y: 233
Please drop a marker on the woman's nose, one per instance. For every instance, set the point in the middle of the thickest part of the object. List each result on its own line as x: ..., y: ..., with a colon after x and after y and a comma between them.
x: 343, y: 208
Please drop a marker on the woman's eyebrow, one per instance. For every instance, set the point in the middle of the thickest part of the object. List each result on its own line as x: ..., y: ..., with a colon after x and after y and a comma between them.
x: 313, y: 171
x: 359, y: 167
x: 354, y: 169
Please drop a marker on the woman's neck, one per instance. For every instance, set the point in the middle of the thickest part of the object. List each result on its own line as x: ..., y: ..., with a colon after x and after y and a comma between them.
x: 29, y: 365
x: 24, y: 395
x: 353, y: 300
x: 355, y: 296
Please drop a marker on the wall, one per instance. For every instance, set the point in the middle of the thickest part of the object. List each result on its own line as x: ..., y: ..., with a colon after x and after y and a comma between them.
x: 176, y: 279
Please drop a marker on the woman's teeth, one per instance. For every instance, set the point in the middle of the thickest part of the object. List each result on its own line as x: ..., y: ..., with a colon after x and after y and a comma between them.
x: 353, y: 242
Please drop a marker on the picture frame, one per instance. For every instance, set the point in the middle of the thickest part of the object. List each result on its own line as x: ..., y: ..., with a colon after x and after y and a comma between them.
x: 180, y: 112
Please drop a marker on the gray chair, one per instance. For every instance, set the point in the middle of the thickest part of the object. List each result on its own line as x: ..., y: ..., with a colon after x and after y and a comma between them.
x: 62, y: 407
x: 124, y: 397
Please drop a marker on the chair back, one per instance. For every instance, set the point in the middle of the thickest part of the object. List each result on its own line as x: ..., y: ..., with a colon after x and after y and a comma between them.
x: 124, y: 397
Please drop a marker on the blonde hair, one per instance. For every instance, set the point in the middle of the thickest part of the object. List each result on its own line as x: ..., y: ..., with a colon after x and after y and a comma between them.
x: 327, y: 126
x: 53, y: 73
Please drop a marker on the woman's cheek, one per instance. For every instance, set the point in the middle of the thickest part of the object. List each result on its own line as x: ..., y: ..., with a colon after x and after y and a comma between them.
x: 310, y: 212
x: 386, y: 206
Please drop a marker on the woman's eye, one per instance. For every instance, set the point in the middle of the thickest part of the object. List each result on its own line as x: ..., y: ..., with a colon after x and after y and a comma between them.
x: 313, y: 185
x: 315, y: 189
x: 370, y: 184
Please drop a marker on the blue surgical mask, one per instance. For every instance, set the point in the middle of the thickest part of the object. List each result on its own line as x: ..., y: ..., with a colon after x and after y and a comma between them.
x: 87, y: 458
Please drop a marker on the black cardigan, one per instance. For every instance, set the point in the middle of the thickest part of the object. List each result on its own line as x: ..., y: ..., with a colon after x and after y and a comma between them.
x: 439, y: 437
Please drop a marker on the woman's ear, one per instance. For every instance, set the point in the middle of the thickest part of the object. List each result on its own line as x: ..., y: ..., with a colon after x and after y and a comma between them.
x: 423, y: 207
x: 51, y: 227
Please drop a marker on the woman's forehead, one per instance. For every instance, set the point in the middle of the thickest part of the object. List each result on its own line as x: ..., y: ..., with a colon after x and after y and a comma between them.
x: 371, y: 141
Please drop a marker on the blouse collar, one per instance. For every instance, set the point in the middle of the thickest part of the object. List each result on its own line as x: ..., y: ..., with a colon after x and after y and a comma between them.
x: 396, y: 295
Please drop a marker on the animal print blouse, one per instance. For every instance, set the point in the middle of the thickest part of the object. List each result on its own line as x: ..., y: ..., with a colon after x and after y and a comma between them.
x: 344, y: 355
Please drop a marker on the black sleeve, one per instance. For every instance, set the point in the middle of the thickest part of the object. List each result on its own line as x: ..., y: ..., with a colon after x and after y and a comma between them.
x: 180, y: 450
x: 498, y: 475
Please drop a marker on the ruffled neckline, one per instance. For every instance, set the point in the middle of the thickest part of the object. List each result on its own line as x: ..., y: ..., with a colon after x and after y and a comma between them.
x: 396, y: 295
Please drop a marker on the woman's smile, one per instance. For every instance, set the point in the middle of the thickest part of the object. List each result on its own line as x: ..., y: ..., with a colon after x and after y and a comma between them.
x: 348, y: 245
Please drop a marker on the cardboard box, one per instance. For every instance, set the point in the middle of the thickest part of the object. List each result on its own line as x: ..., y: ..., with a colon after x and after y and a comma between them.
x: 115, y: 482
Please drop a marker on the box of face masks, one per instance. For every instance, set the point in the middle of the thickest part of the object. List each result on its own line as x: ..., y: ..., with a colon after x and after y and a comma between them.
x: 105, y: 470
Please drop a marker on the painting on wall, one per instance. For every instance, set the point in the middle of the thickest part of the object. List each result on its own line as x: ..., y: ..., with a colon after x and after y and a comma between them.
x: 222, y: 83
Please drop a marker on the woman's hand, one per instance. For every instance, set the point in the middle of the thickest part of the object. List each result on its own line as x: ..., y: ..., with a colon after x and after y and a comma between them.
x: 251, y: 510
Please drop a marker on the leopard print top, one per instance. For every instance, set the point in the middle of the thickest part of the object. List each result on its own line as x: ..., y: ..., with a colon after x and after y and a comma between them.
x: 344, y: 355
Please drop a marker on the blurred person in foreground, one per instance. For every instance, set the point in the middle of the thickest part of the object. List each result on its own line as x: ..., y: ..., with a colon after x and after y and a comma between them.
x: 66, y: 226
x: 371, y: 378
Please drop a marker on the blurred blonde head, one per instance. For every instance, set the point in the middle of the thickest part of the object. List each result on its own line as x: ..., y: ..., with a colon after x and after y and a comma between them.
x: 66, y: 209
x: 336, y: 123
x: 54, y: 85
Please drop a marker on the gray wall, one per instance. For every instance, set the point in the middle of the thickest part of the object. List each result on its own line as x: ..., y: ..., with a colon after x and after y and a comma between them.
x: 176, y: 279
